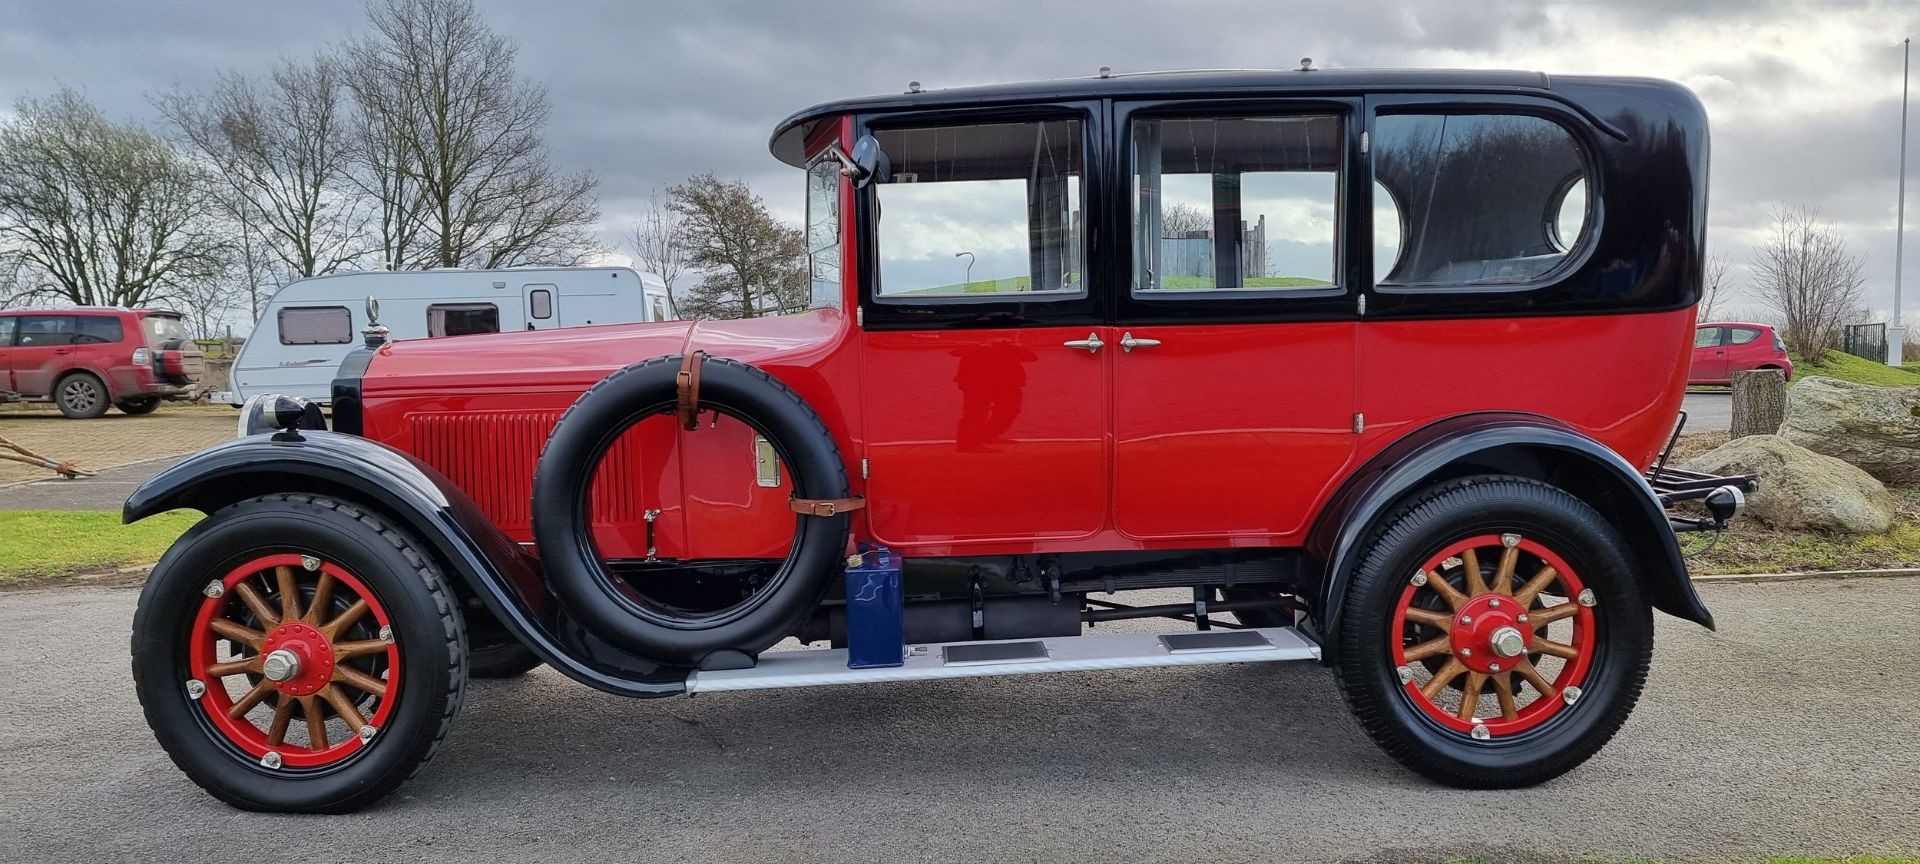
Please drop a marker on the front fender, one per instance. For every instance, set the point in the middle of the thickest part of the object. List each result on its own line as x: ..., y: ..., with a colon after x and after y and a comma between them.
x: 1522, y: 444
x: 505, y: 578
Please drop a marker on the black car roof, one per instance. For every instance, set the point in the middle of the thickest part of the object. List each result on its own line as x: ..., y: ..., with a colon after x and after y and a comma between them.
x: 787, y: 141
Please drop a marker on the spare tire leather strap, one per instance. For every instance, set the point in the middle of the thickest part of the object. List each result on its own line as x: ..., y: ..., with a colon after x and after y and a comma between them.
x: 824, y: 506
x: 687, y: 390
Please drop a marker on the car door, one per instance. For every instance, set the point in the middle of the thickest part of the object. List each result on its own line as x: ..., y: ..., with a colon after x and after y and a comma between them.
x: 43, y: 350
x: 1233, y: 361
x: 8, y: 324
x: 1745, y: 349
x: 983, y: 347
x: 1709, y: 354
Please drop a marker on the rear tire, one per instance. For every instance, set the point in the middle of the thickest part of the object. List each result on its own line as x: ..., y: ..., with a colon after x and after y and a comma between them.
x: 81, y: 396
x: 1418, y: 559
x: 136, y: 407
x: 405, y: 633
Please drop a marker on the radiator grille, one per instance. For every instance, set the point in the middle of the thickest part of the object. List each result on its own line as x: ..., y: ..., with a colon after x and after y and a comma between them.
x: 492, y: 455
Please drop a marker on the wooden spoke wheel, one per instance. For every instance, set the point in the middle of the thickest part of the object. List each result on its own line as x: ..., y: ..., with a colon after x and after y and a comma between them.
x: 294, y: 653
x: 1490, y: 636
x: 295, y: 660
x: 1494, y: 634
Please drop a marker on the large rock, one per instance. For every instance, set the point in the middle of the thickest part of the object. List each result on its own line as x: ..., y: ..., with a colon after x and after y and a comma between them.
x: 1800, y: 488
x: 1874, y: 428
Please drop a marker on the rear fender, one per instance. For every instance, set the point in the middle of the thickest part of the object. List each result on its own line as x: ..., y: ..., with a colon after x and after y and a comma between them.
x: 505, y: 578
x: 1500, y: 443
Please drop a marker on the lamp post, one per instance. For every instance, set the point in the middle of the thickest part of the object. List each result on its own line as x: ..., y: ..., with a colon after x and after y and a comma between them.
x: 1897, y: 332
x: 969, y: 282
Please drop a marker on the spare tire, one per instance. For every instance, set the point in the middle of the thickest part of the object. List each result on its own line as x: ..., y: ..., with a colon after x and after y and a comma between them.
x: 562, y: 518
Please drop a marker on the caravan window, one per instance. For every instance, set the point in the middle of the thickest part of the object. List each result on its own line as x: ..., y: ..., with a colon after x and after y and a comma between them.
x: 316, y: 325
x: 540, y: 304
x: 462, y: 319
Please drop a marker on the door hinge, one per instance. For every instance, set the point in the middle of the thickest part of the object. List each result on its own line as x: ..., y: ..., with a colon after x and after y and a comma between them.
x: 1363, y: 143
x: 1360, y: 305
x: 863, y: 470
x: 1359, y: 423
x: 860, y: 315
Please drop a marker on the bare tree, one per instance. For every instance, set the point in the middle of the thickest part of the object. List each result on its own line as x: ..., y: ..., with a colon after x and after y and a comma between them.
x: 448, y: 120
x: 282, y: 148
x: 1713, y: 289
x: 756, y: 264
x: 659, y: 241
x: 98, y: 213
x: 1805, y: 273
x: 1180, y: 220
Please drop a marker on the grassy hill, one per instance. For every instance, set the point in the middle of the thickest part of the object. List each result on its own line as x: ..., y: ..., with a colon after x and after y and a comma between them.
x: 1859, y: 370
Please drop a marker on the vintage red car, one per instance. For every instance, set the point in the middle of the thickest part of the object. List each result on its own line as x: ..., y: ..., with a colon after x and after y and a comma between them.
x: 1287, y: 340
x: 1723, y: 348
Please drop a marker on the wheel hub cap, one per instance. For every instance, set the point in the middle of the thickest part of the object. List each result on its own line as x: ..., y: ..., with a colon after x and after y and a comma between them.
x: 281, y: 665
x: 1507, y: 642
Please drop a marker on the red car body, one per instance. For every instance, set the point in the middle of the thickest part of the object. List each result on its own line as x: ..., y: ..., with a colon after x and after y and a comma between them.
x: 136, y: 356
x: 1725, y: 347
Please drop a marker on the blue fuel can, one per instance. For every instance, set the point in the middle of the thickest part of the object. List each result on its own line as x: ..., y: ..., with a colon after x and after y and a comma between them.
x: 876, y: 623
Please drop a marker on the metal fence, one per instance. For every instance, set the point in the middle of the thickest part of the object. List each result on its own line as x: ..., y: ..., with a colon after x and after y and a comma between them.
x: 1865, y: 340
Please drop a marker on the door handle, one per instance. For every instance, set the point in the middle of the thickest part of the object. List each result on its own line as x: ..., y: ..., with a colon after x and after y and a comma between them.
x: 1092, y: 343
x: 1128, y: 343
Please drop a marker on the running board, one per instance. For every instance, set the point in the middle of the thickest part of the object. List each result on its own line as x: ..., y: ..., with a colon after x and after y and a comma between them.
x: 816, y: 667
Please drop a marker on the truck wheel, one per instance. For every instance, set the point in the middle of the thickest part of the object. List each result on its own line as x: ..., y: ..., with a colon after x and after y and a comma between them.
x: 295, y: 654
x: 663, y: 631
x: 81, y: 396
x: 1493, y: 635
x: 142, y: 405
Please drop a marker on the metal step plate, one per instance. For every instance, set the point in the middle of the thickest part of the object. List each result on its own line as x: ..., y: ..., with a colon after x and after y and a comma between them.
x: 816, y: 667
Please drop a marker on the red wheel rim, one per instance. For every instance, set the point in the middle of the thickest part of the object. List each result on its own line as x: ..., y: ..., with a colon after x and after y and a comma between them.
x: 1459, y: 622
x: 334, y: 629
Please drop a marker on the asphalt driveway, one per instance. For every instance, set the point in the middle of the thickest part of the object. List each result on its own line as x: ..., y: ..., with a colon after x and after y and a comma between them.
x: 1791, y: 730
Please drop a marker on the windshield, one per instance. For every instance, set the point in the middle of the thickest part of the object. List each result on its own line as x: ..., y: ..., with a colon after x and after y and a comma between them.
x: 161, y: 328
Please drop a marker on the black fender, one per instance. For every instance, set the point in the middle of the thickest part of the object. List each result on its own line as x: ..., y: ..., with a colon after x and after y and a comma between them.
x: 1527, y: 445
x: 493, y: 568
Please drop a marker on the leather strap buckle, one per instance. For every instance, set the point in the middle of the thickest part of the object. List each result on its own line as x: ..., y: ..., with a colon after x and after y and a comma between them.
x: 824, y: 506
x: 687, y: 390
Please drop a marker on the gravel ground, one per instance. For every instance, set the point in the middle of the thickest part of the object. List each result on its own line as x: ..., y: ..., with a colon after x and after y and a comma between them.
x: 1790, y: 731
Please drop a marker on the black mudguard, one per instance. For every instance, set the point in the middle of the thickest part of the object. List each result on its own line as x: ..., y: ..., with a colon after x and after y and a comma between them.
x: 1524, y: 444
x: 491, y: 565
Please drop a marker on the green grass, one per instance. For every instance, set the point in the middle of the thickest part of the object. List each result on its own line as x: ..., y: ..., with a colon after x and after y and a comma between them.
x: 1008, y: 285
x: 1193, y: 283
x: 37, y: 544
x: 1859, y: 370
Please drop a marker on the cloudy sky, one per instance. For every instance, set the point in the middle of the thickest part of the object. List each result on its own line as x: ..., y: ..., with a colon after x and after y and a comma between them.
x: 1804, y: 96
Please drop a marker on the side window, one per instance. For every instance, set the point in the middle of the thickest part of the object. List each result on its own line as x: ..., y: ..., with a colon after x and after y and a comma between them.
x: 1476, y: 199
x: 540, y: 304
x: 43, y: 330
x: 8, y: 325
x: 823, y: 234
x: 315, y: 325
x: 1236, y: 204
x: 1706, y: 337
x: 97, y: 330
x: 1743, y: 335
x: 981, y: 212
x: 462, y: 319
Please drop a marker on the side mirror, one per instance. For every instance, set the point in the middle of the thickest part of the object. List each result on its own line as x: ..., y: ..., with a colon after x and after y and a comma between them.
x: 865, y: 161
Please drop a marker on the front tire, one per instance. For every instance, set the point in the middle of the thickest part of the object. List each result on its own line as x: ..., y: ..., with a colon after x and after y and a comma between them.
x: 371, y: 655
x: 80, y: 396
x: 1493, y: 635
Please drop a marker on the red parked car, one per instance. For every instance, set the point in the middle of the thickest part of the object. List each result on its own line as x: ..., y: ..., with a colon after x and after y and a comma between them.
x: 87, y: 358
x: 1723, y: 348
x: 1022, y: 386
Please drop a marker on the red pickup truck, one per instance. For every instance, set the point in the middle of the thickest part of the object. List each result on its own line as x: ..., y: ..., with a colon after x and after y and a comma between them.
x: 86, y: 358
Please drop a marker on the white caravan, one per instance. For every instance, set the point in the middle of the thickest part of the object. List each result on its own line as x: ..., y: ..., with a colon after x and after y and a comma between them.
x: 310, y: 325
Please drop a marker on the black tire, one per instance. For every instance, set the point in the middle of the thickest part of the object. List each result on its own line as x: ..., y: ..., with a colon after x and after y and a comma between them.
x: 577, y: 575
x: 508, y: 659
x: 427, y: 631
x: 142, y: 405
x: 81, y: 396
x: 1423, y: 527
